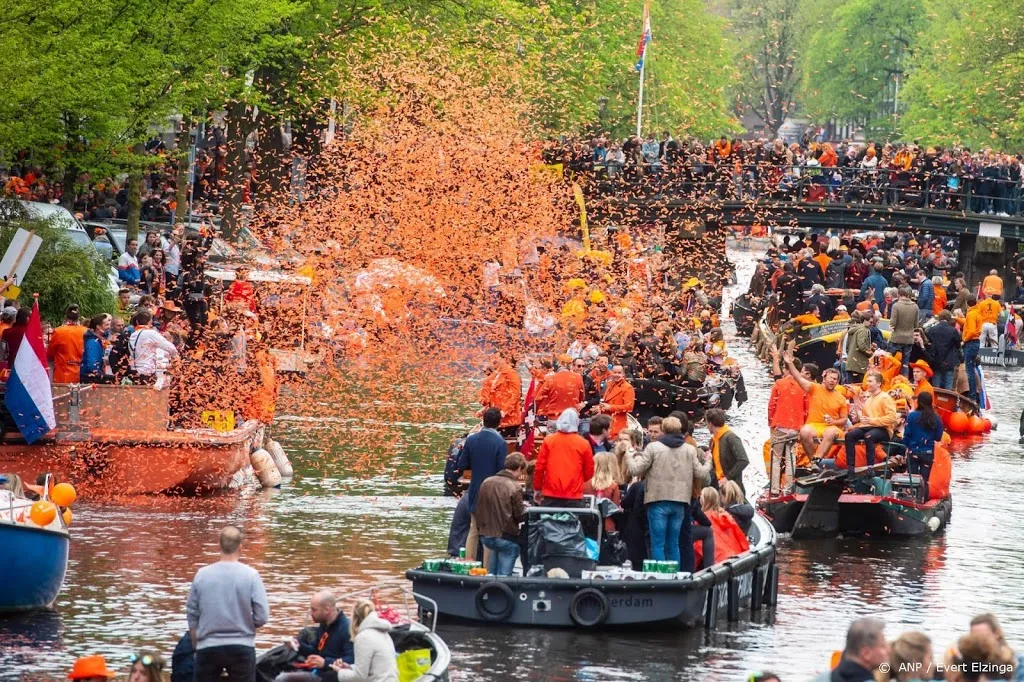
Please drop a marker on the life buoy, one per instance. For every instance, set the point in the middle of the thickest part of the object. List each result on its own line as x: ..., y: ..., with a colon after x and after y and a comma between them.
x: 589, y: 607
x: 494, y: 602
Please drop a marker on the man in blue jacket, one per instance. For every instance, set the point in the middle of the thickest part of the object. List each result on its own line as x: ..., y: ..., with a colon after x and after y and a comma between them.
x: 925, y: 295
x: 483, y: 455
x: 331, y: 642
x: 876, y: 282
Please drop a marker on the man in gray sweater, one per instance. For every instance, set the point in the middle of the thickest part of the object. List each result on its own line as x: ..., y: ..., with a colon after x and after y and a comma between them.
x: 226, y: 604
x: 903, y: 321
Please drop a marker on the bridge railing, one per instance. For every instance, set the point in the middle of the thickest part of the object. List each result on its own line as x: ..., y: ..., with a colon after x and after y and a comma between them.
x: 812, y: 185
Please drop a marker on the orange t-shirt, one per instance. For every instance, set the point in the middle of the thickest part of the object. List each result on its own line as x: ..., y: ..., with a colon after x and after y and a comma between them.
x: 67, y: 344
x: 823, y: 260
x: 940, y: 300
x: 825, y: 402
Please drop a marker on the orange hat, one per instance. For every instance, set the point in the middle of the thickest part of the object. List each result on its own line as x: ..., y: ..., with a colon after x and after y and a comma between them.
x: 90, y: 666
x: 923, y: 366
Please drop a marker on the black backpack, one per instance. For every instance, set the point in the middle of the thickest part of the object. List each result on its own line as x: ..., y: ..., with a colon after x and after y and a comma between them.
x: 120, y: 355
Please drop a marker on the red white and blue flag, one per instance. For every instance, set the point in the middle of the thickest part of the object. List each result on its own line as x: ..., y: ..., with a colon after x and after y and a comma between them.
x: 645, y: 37
x: 29, y: 397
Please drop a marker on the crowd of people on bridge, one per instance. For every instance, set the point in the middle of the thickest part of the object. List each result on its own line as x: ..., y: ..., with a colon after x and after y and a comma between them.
x: 957, y: 178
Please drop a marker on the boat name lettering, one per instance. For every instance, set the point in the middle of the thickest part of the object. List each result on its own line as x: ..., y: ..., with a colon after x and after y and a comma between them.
x: 635, y: 602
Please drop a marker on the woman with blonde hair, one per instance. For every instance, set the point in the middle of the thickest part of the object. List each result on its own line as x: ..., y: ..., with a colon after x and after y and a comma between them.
x: 147, y: 666
x: 730, y: 539
x: 910, y: 659
x: 605, y: 482
x: 374, y: 648
x: 736, y: 504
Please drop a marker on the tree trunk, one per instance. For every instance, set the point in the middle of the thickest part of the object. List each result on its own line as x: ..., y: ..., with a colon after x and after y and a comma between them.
x: 273, y: 168
x: 233, y: 191
x: 135, y: 196
x: 182, y: 184
x: 67, y: 197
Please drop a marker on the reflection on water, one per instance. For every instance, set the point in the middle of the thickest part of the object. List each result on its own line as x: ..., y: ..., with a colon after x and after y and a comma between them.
x: 365, y: 507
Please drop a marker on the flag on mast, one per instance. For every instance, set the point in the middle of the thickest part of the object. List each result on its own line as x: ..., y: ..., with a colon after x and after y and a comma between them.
x: 645, y: 37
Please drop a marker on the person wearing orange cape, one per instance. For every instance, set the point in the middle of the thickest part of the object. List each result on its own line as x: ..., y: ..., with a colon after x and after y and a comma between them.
x: 502, y: 388
x: 618, y: 400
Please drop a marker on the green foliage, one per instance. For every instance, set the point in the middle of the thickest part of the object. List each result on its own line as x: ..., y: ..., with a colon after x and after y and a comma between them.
x: 62, y: 273
x: 853, y: 65
x: 968, y: 83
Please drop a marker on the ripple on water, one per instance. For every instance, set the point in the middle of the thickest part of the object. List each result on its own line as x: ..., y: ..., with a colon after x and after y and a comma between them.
x: 345, y: 525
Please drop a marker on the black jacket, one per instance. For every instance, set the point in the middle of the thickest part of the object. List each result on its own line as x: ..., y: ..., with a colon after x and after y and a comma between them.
x: 946, y: 343
x: 338, y: 644
x: 634, y: 530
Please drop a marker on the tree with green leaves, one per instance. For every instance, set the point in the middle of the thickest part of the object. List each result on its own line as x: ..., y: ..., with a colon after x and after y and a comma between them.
x: 856, y: 63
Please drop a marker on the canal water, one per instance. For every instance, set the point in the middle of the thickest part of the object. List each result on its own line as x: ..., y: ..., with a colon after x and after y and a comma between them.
x: 365, y: 509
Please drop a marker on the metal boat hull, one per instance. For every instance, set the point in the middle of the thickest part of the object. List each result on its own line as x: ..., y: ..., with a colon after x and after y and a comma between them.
x: 33, y: 566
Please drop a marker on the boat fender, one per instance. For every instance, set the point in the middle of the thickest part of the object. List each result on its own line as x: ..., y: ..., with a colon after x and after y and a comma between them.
x: 280, y: 458
x: 589, y: 607
x: 266, y: 470
x: 934, y: 523
x: 494, y: 601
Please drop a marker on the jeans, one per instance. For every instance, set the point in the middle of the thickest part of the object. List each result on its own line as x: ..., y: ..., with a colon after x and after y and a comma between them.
x: 871, y: 436
x: 665, y: 519
x: 503, y: 555
x: 239, y: 662
x: 944, y: 379
x: 971, y: 350
x: 904, y: 349
x: 921, y: 463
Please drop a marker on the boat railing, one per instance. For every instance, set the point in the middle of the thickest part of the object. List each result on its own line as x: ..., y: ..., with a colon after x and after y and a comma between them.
x: 410, y: 598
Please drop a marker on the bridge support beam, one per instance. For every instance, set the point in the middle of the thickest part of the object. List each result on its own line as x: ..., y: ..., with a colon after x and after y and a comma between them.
x: 967, y: 250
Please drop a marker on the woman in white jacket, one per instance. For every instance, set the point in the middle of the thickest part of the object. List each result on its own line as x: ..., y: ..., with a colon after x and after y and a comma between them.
x: 375, y: 651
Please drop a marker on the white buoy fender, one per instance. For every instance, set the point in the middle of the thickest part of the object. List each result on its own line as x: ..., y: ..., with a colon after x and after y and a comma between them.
x: 280, y: 458
x: 266, y: 470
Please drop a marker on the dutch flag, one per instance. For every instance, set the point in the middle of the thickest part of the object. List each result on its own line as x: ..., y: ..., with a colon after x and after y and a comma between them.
x: 645, y: 37
x: 29, y: 397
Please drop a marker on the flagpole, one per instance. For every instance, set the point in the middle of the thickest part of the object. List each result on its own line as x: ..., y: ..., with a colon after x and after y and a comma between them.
x: 640, y: 100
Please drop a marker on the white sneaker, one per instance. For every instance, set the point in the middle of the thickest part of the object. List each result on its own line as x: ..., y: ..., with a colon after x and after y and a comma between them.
x: 1003, y: 214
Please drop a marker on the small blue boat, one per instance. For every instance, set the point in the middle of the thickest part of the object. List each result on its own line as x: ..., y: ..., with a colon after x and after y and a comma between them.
x: 33, y: 562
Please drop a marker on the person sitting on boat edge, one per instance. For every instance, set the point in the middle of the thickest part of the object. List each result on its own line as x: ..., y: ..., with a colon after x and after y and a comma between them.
x: 827, y: 410
x: 866, y: 649
x: 701, y: 533
x: 499, y: 511
x: 734, y: 503
x: 730, y: 539
x: 669, y: 466
x: 331, y: 643
x: 375, y: 655
x: 483, y: 455
x: 727, y: 451
x: 874, y: 424
x: 564, y: 464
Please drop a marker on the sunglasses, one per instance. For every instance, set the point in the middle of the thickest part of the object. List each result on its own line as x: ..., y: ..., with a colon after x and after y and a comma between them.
x: 146, y: 660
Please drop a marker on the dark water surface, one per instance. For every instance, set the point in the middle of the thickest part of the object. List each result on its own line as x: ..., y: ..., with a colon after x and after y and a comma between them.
x: 348, y: 522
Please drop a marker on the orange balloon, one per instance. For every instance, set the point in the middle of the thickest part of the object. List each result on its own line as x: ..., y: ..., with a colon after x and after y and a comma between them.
x: 988, y: 424
x: 63, y: 494
x: 959, y: 422
x: 43, y: 513
x: 977, y: 425
x: 67, y: 515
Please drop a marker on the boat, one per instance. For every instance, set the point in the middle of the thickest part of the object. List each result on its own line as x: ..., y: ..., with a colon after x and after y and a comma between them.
x: 818, y: 343
x: 410, y: 635
x: 875, y: 503
x: 608, y: 599
x: 746, y: 313
x: 34, y: 558
x: 102, y: 450
x: 654, y: 397
x: 946, y: 402
x: 996, y: 357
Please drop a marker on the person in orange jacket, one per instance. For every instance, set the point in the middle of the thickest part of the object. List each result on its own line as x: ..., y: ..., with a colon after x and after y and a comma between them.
x: 618, y: 400
x: 559, y: 392
x: 564, y: 465
x: 67, y: 345
x: 503, y: 389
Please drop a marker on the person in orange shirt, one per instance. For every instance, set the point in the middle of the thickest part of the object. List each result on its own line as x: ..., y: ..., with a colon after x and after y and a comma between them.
x: 618, y: 400
x: 559, y: 392
x: 993, y: 284
x: 7, y: 318
x: 787, y: 412
x: 827, y: 409
x: 972, y: 345
x: 922, y: 372
x: 503, y: 389
x: 823, y: 260
x: 67, y: 344
x: 941, y: 298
